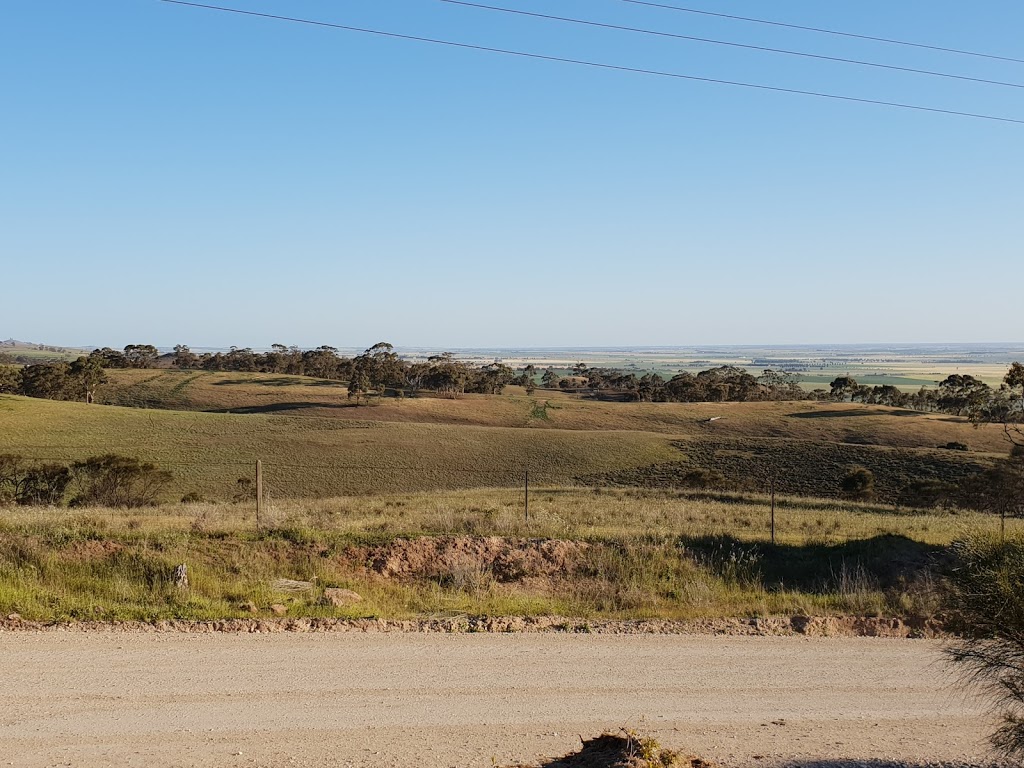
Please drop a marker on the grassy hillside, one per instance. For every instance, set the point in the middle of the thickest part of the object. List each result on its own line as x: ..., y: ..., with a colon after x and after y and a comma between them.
x: 38, y: 353
x: 307, y: 456
x: 253, y: 393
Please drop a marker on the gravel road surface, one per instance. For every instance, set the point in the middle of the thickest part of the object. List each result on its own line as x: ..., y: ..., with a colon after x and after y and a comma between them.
x: 433, y: 701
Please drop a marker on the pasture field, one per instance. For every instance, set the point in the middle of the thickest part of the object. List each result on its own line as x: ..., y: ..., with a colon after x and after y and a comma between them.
x: 31, y: 353
x: 429, y: 443
x: 311, y: 457
x: 258, y: 393
x: 609, y: 554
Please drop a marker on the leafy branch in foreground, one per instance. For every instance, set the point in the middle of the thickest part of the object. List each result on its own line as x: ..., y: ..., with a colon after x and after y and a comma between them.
x: 987, y: 604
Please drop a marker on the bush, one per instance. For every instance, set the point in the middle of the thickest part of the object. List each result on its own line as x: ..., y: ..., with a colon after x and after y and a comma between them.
x: 706, y: 479
x: 45, y: 485
x: 859, y: 484
x: 986, y: 607
x: 118, y: 481
x: 23, y: 482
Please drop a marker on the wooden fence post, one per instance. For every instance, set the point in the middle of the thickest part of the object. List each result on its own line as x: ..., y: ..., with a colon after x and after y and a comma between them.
x: 526, y: 494
x: 259, y: 492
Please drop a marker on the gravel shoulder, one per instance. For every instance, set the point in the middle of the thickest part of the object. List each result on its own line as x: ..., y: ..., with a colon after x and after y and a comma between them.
x: 437, y: 700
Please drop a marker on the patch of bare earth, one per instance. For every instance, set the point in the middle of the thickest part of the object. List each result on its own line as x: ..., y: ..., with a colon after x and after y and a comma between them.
x: 503, y: 559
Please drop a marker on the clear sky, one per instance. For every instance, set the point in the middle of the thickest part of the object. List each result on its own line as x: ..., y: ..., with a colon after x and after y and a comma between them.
x: 176, y: 175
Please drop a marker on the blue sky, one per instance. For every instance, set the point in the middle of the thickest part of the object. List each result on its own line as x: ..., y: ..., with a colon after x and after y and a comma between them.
x: 180, y: 175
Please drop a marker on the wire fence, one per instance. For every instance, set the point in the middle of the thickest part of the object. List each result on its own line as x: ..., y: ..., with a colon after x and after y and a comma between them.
x: 760, y: 510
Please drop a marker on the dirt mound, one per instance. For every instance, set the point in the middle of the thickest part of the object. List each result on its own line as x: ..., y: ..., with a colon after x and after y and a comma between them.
x: 451, y: 558
x: 624, y: 751
x: 93, y: 549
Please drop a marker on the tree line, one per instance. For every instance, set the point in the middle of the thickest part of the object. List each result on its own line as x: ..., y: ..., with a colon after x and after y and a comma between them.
x: 380, y: 371
x: 960, y: 395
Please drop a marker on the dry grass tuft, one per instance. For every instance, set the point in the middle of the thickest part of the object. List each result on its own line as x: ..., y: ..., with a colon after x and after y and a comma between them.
x: 625, y: 749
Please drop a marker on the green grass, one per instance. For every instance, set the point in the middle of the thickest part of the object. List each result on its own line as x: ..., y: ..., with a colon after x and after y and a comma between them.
x: 32, y: 354
x: 306, y: 456
x: 560, y: 440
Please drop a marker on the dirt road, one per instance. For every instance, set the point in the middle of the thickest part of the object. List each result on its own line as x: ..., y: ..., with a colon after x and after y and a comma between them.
x: 433, y: 701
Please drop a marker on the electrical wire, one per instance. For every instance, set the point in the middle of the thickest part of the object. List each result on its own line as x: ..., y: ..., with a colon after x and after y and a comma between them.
x: 890, y: 41
x: 601, y: 65
x: 712, y: 41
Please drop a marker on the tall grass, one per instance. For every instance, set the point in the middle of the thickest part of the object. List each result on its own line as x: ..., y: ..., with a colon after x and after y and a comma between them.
x: 646, y: 554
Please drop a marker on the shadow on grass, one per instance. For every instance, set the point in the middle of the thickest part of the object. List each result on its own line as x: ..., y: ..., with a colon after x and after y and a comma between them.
x: 876, y: 763
x: 883, y: 562
x: 280, y: 381
x: 615, y: 751
x: 611, y: 751
x: 850, y: 413
x: 758, y: 497
x: 281, y: 407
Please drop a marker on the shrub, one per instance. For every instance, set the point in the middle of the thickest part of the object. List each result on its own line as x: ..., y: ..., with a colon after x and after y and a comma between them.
x: 12, y: 476
x: 986, y: 606
x: 118, y: 481
x: 703, y: 478
x: 26, y: 483
x: 45, y: 485
x: 859, y: 483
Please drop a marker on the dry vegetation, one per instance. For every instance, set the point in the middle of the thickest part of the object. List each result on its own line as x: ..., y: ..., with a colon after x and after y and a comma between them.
x: 416, y: 504
x: 613, y: 554
x: 625, y: 749
x: 314, y: 441
x: 254, y: 393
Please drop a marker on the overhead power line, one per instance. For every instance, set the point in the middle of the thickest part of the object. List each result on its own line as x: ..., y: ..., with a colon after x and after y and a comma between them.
x: 823, y: 31
x: 785, y: 51
x: 599, y: 65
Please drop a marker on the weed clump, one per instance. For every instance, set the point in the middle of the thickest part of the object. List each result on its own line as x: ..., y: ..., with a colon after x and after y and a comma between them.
x: 625, y: 749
